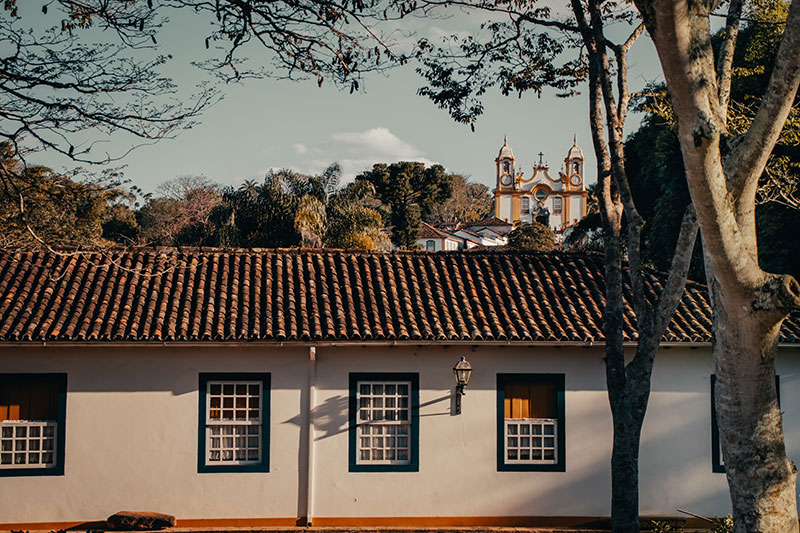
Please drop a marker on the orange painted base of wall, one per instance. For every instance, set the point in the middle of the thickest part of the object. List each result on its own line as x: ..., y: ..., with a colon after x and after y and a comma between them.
x: 50, y: 526
x: 453, y: 521
x: 388, y: 522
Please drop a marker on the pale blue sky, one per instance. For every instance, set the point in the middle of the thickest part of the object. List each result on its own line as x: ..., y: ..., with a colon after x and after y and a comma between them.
x: 262, y: 124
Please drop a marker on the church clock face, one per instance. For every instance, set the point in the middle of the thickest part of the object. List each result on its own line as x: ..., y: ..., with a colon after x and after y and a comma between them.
x: 506, y: 179
x: 576, y: 180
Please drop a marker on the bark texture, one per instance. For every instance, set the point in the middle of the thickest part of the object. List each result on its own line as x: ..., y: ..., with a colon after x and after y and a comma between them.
x: 749, y: 304
x: 628, y: 384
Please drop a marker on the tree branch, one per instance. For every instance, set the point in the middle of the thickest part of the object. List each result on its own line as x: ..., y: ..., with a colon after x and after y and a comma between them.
x: 747, y: 159
x: 725, y: 61
x: 679, y: 269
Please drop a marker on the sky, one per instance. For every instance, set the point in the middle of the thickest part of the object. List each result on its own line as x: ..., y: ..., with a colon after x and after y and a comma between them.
x: 263, y: 124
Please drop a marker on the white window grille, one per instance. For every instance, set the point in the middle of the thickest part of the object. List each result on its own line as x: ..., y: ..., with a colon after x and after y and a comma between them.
x: 526, y: 204
x: 430, y: 246
x: 531, y: 440
x: 557, y: 204
x: 25, y: 444
x: 384, y: 422
x: 233, y: 422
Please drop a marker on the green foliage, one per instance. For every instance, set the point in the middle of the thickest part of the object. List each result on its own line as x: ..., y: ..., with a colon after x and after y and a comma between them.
x: 754, y: 57
x: 586, y: 235
x: 657, y: 178
x: 533, y: 236
x: 120, y: 225
x: 262, y: 216
x: 310, y: 221
x: 351, y: 222
x: 411, y: 191
x: 655, y: 165
x: 469, y: 203
x: 290, y: 209
x: 39, y: 207
x: 511, y: 55
x: 666, y: 526
x: 722, y: 525
x: 778, y: 245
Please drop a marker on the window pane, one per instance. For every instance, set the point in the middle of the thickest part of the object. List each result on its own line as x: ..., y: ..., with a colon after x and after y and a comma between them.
x: 530, y: 427
x: 383, y: 414
x: 22, y: 437
x: 235, y: 413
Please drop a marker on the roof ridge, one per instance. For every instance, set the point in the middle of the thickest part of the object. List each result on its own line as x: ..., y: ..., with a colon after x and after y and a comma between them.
x: 495, y: 250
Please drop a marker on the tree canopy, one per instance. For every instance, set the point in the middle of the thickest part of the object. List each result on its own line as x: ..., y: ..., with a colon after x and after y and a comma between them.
x: 41, y: 207
x: 534, y: 236
x: 411, y: 190
x: 469, y: 203
x: 724, y: 162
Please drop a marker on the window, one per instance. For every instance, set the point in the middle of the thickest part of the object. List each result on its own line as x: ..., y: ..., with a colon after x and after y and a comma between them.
x: 541, y: 195
x: 506, y: 167
x: 384, y: 422
x: 576, y: 167
x: 430, y: 246
x: 557, y: 204
x: 526, y: 204
x: 234, y: 423
x: 530, y: 422
x: 717, y: 462
x: 32, y: 424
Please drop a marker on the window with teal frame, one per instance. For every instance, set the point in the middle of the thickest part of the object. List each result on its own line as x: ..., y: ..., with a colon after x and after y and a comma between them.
x: 384, y: 422
x: 233, y: 422
x: 33, y: 413
x: 530, y: 423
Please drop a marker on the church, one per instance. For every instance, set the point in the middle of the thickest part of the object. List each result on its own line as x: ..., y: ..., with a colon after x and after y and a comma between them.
x: 558, y: 201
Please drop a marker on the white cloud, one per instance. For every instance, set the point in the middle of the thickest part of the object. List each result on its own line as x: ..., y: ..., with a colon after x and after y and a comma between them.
x: 440, y: 36
x: 377, y: 142
x: 356, y: 151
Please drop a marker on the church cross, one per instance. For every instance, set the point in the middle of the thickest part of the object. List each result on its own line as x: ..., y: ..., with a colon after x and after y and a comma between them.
x: 541, y: 155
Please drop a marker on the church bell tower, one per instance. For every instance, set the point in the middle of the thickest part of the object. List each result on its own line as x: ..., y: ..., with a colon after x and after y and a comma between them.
x: 506, y: 174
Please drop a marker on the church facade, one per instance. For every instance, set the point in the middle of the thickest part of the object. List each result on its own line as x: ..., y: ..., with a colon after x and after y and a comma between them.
x: 558, y: 201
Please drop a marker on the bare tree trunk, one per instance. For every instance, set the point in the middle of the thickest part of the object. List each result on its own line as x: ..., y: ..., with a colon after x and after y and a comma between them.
x: 749, y: 304
x: 628, y: 384
x: 625, y: 469
x: 762, y: 479
x: 628, y: 407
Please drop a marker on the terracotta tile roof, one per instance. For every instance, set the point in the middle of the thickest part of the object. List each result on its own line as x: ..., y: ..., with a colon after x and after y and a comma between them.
x: 318, y: 295
x: 492, y: 221
x: 430, y: 232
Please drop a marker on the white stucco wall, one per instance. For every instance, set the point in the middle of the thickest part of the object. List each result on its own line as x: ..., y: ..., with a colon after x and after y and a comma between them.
x: 423, y: 244
x: 131, y: 440
x: 132, y: 436
x: 575, y: 212
x: 505, y: 208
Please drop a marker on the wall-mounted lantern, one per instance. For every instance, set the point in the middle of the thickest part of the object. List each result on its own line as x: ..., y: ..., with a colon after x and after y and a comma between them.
x: 462, y: 371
